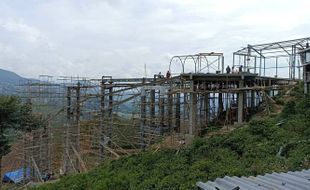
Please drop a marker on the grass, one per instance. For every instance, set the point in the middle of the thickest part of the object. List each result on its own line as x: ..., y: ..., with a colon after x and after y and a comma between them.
x: 251, y: 150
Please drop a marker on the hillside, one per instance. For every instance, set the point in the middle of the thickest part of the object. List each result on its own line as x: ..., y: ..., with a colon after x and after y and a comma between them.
x: 9, y: 77
x: 8, y: 81
x: 262, y: 146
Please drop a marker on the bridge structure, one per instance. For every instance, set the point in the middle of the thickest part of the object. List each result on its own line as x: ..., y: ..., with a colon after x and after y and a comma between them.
x: 89, y: 120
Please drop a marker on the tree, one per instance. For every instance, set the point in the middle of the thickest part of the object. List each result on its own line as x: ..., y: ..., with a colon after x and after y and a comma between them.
x: 17, y: 116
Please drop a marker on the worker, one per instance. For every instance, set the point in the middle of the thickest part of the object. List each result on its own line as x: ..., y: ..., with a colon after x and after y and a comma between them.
x: 240, y: 69
x: 160, y: 75
x: 168, y: 74
x: 228, y: 69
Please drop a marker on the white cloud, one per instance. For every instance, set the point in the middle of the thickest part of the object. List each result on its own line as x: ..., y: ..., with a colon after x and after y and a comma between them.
x: 117, y: 37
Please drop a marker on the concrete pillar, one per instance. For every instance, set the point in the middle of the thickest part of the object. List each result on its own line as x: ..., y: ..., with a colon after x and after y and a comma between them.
x: 252, y: 100
x: 207, y: 108
x: 185, y: 116
x: 192, y: 110
x: 220, y: 104
x: 240, y: 102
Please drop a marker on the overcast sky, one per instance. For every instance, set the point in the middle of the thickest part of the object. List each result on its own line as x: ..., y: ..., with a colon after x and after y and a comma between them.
x: 117, y: 37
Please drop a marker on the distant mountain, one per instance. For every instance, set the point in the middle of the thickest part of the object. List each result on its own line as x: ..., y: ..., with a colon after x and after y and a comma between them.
x: 9, y: 77
x: 8, y: 82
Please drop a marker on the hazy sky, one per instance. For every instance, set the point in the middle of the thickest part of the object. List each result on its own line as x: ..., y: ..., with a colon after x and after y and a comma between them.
x: 117, y: 37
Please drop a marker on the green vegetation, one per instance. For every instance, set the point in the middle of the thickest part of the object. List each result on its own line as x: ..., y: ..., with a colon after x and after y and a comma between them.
x: 264, y: 145
x: 14, y: 116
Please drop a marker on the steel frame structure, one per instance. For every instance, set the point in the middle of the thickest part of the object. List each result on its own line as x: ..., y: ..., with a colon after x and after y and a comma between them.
x: 201, y: 62
x: 253, y: 57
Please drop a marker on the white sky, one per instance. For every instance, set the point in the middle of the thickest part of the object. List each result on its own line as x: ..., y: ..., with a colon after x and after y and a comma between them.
x: 117, y: 37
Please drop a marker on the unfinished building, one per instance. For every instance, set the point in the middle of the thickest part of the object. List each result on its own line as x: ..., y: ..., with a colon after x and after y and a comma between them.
x: 89, y: 120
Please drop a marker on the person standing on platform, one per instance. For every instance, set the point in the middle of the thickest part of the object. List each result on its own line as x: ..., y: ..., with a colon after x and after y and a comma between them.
x: 228, y: 69
x: 168, y: 74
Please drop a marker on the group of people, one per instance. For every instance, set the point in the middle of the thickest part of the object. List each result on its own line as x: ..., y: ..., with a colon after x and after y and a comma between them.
x: 161, y: 76
x: 232, y: 70
x: 228, y: 71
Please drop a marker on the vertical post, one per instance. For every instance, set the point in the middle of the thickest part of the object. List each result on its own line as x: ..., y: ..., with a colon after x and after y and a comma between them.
x: 102, y: 118
x: 222, y: 64
x: 207, y: 107
x: 143, y: 117
x: 240, y: 102
x: 170, y: 107
x: 192, y: 109
x: 152, y: 107
x: 110, y: 114
x: 244, y: 62
x: 276, y: 67
x: 264, y: 66
x: 260, y: 64
x: 185, y: 104
x: 304, y: 69
x: 220, y: 104
x: 178, y: 112
x: 293, y: 62
x: 24, y: 159
x: 299, y: 70
x: 68, y: 104
x: 248, y: 58
x: 77, y: 120
x: 255, y: 62
x: 161, y: 110
x: 67, y: 138
x: 49, y: 147
x: 233, y: 60
x: 32, y: 145
x: 252, y: 101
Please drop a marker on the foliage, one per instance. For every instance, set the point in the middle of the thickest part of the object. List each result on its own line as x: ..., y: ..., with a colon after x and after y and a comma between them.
x: 251, y: 150
x: 17, y: 116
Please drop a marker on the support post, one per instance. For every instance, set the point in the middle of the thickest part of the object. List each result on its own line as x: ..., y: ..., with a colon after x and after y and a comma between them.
x: 143, y: 117
x: 102, y: 118
x: 260, y: 64
x: 220, y: 105
x: 252, y: 101
x: 77, y: 120
x: 152, y: 107
x: 178, y: 113
x: 207, y: 108
x: 110, y: 114
x: 170, y: 107
x: 67, y: 138
x: 162, y: 110
x: 192, y: 109
x: 240, y: 102
x: 255, y: 62
x: 276, y: 67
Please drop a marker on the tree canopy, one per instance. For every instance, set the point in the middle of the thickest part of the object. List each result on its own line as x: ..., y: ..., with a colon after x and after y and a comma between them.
x: 15, y: 115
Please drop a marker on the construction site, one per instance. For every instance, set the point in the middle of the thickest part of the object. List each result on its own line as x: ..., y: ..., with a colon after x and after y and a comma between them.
x: 91, y: 120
